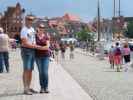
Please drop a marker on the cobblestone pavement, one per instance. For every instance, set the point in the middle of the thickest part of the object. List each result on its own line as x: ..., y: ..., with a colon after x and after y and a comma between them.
x: 97, y: 79
x: 61, y: 85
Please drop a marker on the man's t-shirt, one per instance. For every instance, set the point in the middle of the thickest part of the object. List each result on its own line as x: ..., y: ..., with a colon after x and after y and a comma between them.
x: 4, y: 42
x: 29, y: 34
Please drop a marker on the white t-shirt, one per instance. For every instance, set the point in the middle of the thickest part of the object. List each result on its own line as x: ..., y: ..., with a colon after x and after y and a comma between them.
x: 4, y: 42
x: 29, y: 34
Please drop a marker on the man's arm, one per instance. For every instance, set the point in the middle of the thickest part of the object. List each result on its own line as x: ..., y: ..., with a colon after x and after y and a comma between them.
x: 26, y: 44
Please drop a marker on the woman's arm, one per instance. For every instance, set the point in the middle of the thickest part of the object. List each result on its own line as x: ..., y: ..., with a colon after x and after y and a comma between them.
x: 44, y: 47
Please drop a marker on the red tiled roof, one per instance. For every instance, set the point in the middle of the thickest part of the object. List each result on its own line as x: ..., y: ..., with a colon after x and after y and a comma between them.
x: 71, y: 17
x: 52, y: 22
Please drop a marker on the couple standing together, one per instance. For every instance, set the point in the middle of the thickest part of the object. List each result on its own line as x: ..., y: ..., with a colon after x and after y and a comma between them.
x: 34, y: 46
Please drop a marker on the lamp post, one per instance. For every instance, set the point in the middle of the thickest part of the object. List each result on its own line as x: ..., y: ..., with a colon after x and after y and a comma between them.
x: 6, y: 26
x: 23, y: 16
x: 98, y: 21
x: 120, y: 22
x: 119, y: 8
x: 114, y: 7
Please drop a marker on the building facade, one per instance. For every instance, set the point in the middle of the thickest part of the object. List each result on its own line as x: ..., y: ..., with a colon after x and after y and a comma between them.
x: 106, y: 29
x: 117, y: 28
x: 61, y: 27
x: 12, y: 20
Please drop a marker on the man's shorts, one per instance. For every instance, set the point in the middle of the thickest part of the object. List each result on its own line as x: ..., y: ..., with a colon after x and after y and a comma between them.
x: 28, y: 57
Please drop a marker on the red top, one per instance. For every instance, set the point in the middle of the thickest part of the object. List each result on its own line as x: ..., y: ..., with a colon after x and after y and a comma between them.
x: 42, y: 42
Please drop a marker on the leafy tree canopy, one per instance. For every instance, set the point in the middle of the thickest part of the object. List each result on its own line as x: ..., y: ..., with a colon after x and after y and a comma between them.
x: 129, y: 30
x: 85, y: 35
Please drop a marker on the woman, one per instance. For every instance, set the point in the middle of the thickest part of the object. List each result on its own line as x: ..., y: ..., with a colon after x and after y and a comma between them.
x: 42, y: 58
x: 126, y: 55
x: 117, y: 56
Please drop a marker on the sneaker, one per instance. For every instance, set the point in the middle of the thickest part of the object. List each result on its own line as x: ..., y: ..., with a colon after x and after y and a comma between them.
x: 126, y: 69
x: 7, y: 71
x: 118, y: 70
x: 27, y: 92
x: 1, y: 71
x: 44, y: 91
x: 32, y: 91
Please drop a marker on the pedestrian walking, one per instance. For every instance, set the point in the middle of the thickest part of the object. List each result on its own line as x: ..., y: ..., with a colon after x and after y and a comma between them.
x: 14, y: 45
x: 42, y: 57
x: 56, y: 49
x: 63, y: 50
x: 126, y: 56
x: 28, y: 45
x: 111, y: 57
x: 131, y: 53
x: 71, y: 46
x: 52, y: 50
x: 118, y: 56
x: 4, y: 50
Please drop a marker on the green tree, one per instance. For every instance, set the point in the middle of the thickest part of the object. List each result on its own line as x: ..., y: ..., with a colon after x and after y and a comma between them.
x: 129, y: 30
x: 85, y: 35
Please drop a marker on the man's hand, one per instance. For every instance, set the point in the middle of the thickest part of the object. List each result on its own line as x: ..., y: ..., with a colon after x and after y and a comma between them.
x: 41, y: 47
x: 37, y: 46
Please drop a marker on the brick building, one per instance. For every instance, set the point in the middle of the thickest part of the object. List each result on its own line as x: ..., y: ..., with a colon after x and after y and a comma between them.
x: 0, y: 18
x: 12, y: 20
x: 61, y: 27
x: 57, y: 25
x: 67, y: 25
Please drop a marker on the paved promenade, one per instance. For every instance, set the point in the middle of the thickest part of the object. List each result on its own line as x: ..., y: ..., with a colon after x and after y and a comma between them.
x: 62, y: 86
x: 97, y: 79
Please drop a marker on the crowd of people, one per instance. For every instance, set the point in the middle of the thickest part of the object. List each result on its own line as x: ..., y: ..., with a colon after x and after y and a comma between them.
x: 120, y: 56
x: 60, y: 48
x: 37, y: 47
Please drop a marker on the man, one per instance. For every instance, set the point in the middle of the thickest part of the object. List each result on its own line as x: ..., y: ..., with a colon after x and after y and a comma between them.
x: 71, y: 50
x: 4, y: 50
x: 28, y: 45
x: 111, y: 57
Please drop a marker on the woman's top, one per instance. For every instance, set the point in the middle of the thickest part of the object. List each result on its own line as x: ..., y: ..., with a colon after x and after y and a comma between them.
x: 42, y: 41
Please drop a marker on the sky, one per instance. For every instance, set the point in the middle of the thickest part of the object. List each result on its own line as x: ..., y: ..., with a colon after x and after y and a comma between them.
x: 85, y: 9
